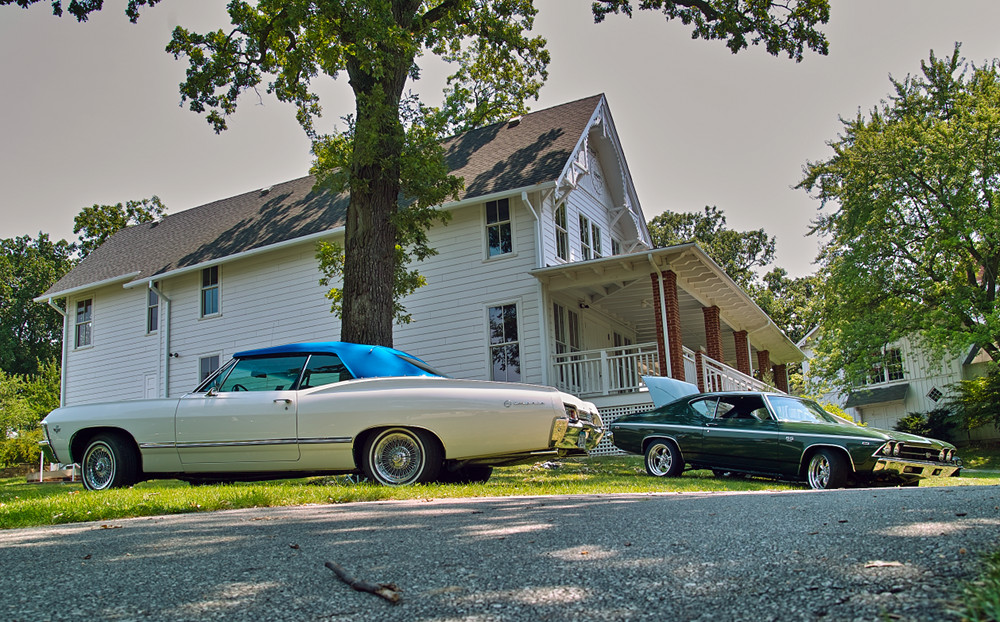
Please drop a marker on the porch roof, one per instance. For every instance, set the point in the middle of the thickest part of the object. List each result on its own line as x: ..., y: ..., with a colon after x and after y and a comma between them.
x: 621, y: 286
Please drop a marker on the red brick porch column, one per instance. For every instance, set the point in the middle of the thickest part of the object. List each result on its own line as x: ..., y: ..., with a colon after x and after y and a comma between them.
x: 675, y: 344
x: 780, y: 377
x: 742, y: 351
x: 700, y: 369
x: 763, y: 362
x: 713, y: 333
x: 670, y: 346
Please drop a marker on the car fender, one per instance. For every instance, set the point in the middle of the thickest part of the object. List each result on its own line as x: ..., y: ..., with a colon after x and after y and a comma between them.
x: 811, y: 449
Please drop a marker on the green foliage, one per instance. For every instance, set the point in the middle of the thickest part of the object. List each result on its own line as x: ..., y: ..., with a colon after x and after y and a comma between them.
x: 976, y: 402
x: 914, y: 231
x: 982, y: 596
x: 20, y: 449
x: 938, y: 423
x: 24, y: 401
x: 97, y: 223
x: 786, y: 26
x: 739, y: 253
x: 30, y: 332
x: 791, y: 303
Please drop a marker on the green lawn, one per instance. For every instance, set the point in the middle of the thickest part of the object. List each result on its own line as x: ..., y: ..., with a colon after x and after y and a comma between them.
x: 27, y: 504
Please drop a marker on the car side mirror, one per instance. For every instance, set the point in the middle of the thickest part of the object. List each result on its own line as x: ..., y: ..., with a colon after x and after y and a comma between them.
x: 212, y: 392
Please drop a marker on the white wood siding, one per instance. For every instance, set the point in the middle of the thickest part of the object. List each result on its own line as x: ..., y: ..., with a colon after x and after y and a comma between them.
x: 121, y: 355
x: 449, y: 328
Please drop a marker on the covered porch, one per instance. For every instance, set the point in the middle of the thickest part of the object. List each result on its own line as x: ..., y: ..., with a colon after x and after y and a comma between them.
x: 668, y: 312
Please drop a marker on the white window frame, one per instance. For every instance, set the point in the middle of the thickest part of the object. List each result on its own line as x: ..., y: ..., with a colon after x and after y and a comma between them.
x: 585, y: 247
x: 202, y: 289
x: 491, y: 346
x: 201, y: 359
x: 500, y: 225
x: 562, y: 231
x: 595, y: 241
x: 152, y: 310
x: 86, y: 323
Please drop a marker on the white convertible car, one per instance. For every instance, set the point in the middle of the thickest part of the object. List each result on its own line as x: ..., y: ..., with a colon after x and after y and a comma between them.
x: 322, y: 408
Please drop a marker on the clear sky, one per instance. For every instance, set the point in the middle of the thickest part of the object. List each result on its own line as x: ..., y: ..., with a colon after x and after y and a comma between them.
x: 89, y: 112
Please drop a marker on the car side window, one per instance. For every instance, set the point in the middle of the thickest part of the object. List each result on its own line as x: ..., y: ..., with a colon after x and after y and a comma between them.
x: 264, y: 374
x: 705, y: 407
x: 324, y: 369
x: 742, y: 407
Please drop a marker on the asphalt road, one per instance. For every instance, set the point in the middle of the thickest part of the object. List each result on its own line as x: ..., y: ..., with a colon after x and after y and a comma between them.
x: 888, y: 554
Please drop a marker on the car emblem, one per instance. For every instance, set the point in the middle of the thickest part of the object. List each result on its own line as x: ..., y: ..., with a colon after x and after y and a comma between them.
x: 56, y: 429
x: 509, y: 403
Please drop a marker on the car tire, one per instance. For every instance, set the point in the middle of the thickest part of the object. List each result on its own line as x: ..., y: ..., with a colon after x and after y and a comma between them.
x: 663, y: 459
x: 109, y: 461
x: 400, y: 456
x: 827, y: 469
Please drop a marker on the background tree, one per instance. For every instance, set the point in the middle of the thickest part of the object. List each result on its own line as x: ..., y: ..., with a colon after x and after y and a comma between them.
x: 791, y: 303
x: 740, y: 253
x: 24, y: 402
x: 30, y: 333
x: 388, y: 158
x: 97, y: 223
x: 914, y: 231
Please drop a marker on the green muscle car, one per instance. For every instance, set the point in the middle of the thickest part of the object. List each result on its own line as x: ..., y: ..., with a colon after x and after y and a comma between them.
x: 779, y: 436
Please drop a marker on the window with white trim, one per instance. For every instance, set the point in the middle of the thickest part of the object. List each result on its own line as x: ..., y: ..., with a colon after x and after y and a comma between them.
x: 210, y: 291
x: 499, y: 236
x: 83, y: 325
x: 152, y: 310
x: 562, y: 233
x: 207, y: 366
x: 595, y: 238
x: 505, y: 347
x: 890, y: 368
x: 585, y: 249
x: 616, y: 247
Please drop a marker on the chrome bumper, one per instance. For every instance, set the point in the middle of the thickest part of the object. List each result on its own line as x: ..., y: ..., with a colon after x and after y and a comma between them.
x: 575, y: 434
x: 915, y: 468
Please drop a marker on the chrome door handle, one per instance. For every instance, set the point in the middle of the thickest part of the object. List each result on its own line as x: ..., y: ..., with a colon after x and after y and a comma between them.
x: 283, y: 400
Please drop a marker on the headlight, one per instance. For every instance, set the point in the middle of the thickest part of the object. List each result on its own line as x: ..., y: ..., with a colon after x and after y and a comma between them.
x: 942, y: 455
x: 951, y: 455
x: 887, y: 448
x: 897, y: 449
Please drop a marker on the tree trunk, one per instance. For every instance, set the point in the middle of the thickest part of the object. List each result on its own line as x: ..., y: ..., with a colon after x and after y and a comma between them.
x: 370, y: 235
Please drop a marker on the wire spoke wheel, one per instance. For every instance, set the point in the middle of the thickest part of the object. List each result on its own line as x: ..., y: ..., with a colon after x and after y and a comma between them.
x: 399, y: 456
x: 99, y: 466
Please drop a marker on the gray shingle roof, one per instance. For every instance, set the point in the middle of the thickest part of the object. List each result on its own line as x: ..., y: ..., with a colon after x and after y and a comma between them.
x: 499, y: 157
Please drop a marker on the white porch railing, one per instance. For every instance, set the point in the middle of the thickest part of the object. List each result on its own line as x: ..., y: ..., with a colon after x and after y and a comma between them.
x: 589, y: 373
x: 719, y: 376
x: 605, y: 372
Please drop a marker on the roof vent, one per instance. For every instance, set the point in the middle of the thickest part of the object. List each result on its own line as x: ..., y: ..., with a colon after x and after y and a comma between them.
x: 514, y: 122
x: 264, y: 191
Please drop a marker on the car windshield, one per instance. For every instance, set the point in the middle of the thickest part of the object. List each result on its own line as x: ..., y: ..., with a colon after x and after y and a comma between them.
x: 794, y: 409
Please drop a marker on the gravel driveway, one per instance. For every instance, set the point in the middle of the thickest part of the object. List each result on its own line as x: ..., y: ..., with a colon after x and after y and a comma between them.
x: 887, y: 554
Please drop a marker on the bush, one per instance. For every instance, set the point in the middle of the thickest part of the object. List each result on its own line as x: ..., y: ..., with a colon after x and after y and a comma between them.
x: 976, y: 402
x: 938, y: 423
x: 20, y: 449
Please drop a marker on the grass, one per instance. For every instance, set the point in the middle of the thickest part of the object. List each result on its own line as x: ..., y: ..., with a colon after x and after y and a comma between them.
x: 982, y: 596
x: 28, y: 505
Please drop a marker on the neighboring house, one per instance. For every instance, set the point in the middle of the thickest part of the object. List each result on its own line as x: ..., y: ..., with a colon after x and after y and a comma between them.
x: 906, y: 381
x: 544, y: 274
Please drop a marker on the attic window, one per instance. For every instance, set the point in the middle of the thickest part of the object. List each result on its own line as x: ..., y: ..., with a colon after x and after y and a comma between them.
x: 935, y: 394
x: 499, y: 240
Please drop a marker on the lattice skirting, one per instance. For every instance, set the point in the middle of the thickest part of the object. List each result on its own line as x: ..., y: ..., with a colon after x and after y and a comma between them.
x: 610, y: 414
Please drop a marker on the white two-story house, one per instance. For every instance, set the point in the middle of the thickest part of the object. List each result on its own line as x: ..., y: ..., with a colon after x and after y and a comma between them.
x: 545, y: 274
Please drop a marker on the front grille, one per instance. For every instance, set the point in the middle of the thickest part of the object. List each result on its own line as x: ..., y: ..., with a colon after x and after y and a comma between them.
x: 917, y: 452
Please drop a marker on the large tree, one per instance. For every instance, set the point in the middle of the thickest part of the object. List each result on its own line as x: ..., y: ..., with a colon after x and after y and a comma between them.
x: 30, y: 333
x: 97, y: 223
x: 740, y: 253
x: 914, y: 221
x: 388, y: 156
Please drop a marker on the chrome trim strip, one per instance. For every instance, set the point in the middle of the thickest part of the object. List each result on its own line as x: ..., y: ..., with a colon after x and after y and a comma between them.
x: 279, y: 441
x: 323, y: 441
x: 747, y: 431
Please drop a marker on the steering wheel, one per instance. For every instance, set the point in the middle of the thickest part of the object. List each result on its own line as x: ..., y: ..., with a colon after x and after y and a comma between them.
x: 239, y: 387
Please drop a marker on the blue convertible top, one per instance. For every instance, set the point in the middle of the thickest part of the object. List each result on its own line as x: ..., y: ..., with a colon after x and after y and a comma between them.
x: 362, y: 361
